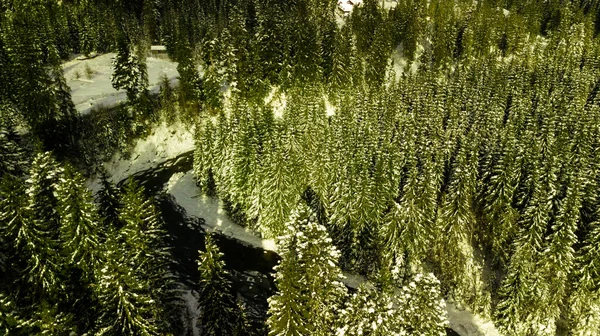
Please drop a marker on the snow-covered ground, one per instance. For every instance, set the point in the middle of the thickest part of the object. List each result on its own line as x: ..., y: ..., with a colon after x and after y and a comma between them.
x: 191, y: 302
x: 89, y: 80
x: 165, y: 142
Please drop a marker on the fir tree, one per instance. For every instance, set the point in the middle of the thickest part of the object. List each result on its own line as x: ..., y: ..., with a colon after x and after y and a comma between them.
x: 422, y: 308
x: 220, y: 313
x: 11, y: 154
x: 371, y: 312
x: 38, y: 235
x: 134, y: 284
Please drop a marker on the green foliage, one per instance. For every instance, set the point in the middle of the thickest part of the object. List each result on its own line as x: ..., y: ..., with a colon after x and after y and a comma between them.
x: 133, y: 281
x: 371, y: 312
x: 309, y: 291
x: 130, y: 72
x: 108, y: 201
x: 79, y: 221
x: 220, y: 313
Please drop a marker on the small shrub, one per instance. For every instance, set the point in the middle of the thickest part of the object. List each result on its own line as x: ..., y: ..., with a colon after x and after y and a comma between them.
x: 89, y: 72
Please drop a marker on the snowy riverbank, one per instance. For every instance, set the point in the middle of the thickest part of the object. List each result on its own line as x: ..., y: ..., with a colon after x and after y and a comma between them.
x: 164, y: 143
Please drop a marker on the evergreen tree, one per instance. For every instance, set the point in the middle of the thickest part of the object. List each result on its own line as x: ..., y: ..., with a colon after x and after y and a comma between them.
x: 12, y: 159
x: 79, y: 221
x: 130, y: 72
x: 11, y: 319
x: 422, y: 308
x: 133, y: 282
x: 38, y: 235
x: 584, y: 300
x: 190, y: 82
x: 109, y: 203
x: 309, y: 291
x: 371, y: 312
x: 220, y: 314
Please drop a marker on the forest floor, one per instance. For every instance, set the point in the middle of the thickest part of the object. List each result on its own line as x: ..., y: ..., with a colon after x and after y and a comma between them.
x: 89, y: 80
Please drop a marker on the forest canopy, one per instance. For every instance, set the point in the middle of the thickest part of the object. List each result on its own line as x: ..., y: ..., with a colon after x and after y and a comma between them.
x: 447, y: 151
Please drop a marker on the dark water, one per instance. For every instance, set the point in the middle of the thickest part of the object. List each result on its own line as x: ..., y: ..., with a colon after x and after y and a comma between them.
x: 251, y: 268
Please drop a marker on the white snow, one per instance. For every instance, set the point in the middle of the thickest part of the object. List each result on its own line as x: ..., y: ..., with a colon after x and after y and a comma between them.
x: 192, y: 306
x: 97, y: 90
x: 165, y: 142
x: 183, y: 188
x: 465, y: 323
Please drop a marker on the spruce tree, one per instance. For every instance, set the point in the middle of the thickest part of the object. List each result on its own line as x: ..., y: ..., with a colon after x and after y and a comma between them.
x: 220, y: 313
x: 422, y: 308
x: 190, y: 82
x: 130, y: 72
x: 584, y: 301
x: 79, y: 221
x: 309, y: 291
x: 109, y: 203
x: 12, y: 158
x: 371, y: 311
x: 38, y: 234
x: 134, y: 283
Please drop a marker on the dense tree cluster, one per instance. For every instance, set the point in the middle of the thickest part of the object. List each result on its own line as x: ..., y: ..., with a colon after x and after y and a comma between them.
x: 476, y: 150
x: 64, y: 270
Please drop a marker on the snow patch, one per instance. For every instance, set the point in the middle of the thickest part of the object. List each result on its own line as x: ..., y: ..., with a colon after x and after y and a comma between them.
x: 186, y: 194
x: 466, y: 323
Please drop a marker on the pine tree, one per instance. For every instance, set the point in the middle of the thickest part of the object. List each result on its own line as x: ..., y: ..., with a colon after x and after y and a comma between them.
x: 371, y: 311
x: 130, y: 72
x: 12, y: 158
x: 521, y: 309
x: 127, y: 304
x: 12, y: 216
x: 422, y: 308
x: 309, y: 291
x: 191, y: 85
x: 220, y: 314
x: 584, y: 301
x: 11, y: 318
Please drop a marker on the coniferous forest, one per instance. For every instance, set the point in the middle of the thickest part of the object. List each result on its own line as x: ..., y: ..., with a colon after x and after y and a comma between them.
x: 445, y: 152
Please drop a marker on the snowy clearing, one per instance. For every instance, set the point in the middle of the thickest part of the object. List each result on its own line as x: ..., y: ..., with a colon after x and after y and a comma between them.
x: 89, y: 80
x: 165, y: 142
